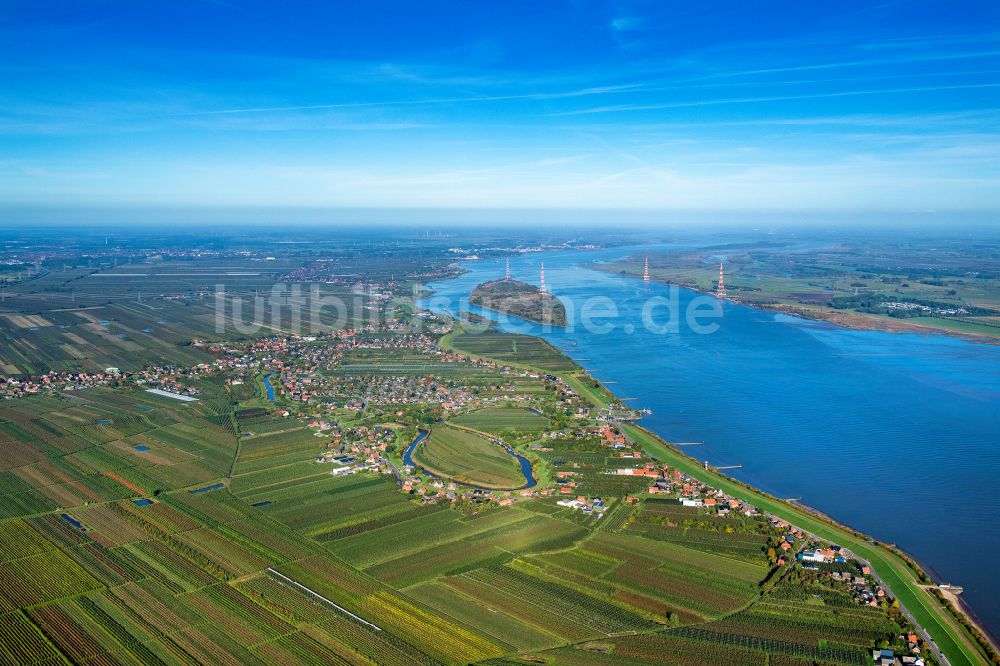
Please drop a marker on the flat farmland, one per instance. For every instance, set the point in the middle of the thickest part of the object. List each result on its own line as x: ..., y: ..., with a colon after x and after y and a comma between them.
x: 320, y: 505
x: 275, y: 449
x: 126, y: 335
x: 498, y: 420
x: 477, y: 546
x: 510, y: 348
x: 480, y: 614
x: 128, y: 316
x: 690, y: 581
x: 382, y: 544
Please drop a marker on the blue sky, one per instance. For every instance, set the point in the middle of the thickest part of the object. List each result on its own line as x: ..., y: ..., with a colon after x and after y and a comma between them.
x: 683, y: 105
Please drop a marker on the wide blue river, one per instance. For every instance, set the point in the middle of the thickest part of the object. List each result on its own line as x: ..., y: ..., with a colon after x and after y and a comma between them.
x: 895, y: 435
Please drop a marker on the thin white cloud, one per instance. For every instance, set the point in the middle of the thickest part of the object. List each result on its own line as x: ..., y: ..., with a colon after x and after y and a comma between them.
x: 929, y: 41
x: 927, y: 57
x: 625, y: 23
x: 582, y: 92
x: 779, y: 98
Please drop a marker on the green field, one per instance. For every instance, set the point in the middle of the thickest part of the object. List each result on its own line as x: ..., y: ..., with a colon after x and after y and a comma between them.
x: 518, y: 350
x: 468, y: 458
x: 499, y: 420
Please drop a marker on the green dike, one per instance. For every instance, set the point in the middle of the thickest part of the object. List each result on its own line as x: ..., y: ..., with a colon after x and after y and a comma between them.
x: 894, y: 571
x: 950, y: 638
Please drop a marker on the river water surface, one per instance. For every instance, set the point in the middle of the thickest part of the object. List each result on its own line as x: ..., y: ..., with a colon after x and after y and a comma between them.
x: 895, y: 435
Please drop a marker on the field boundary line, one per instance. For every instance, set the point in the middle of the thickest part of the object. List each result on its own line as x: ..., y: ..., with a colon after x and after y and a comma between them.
x: 320, y: 596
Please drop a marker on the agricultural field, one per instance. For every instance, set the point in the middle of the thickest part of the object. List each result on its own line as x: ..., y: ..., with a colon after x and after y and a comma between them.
x: 268, y: 450
x: 469, y: 458
x: 773, y: 630
x: 128, y: 311
x: 509, y: 348
x: 503, y: 421
x: 734, y: 536
x: 783, y: 624
x: 126, y: 335
x: 286, y: 563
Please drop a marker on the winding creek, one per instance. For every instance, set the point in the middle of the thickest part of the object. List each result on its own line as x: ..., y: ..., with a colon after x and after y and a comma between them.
x: 897, y: 435
x: 268, y: 387
x: 408, y: 453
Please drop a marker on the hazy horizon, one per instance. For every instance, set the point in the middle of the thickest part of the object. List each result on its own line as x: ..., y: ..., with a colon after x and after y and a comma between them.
x: 589, y: 219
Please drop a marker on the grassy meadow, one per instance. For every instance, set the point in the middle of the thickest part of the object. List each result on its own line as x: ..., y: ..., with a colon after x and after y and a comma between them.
x: 467, y: 457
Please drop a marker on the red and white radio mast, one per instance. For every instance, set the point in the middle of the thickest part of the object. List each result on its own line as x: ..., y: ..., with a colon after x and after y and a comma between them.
x: 542, y: 287
x: 720, y: 289
x: 645, y: 271
x: 506, y: 275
